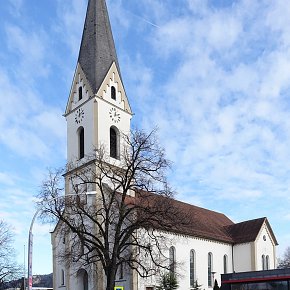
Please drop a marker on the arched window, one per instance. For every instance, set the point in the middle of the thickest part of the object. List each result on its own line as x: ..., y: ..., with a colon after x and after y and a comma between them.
x: 263, y: 262
x: 86, y: 281
x: 267, y: 263
x: 172, y: 260
x: 62, y: 277
x: 209, y: 269
x: 121, y: 271
x: 192, y: 268
x: 113, y: 93
x: 114, y: 142
x: 225, y: 264
x: 80, y: 93
x: 81, y: 133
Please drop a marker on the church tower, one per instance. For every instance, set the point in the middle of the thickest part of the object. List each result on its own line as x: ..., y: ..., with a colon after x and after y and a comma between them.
x: 97, y: 114
x: 98, y: 109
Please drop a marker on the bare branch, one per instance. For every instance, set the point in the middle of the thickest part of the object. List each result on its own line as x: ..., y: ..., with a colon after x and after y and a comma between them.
x: 123, y: 222
x: 9, y: 270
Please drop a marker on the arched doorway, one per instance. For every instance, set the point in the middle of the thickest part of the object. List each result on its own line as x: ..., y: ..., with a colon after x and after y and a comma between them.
x: 83, y: 279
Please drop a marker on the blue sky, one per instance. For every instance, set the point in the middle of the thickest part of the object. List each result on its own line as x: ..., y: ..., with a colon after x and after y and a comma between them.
x: 214, y: 76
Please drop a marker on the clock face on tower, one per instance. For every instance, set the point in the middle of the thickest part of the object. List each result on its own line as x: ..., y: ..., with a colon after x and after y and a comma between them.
x: 79, y: 115
x: 114, y: 115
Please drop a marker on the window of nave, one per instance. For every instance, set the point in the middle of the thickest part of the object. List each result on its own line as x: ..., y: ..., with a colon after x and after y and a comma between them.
x: 225, y: 264
x: 192, y: 268
x: 62, y: 277
x: 209, y: 270
x: 172, y: 259
x: 121, y: 271
x: 114, y: 142
x: 81, y: 142
x: 265, y: 262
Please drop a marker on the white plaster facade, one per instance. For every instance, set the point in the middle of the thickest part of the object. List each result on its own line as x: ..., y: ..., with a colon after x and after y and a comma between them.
x: 95, y: 113
x: 242, y: 257
x: 239, y: 258
x: 265, y: 246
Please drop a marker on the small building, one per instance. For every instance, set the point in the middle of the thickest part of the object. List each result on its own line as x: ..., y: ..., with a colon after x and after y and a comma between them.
x: 33, y: 288
x: 277, y: 279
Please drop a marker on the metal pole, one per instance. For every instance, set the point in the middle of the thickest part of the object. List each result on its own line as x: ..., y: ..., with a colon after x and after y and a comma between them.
x: 30, y: 249
x: 24, y: 287
x: 30, y: 237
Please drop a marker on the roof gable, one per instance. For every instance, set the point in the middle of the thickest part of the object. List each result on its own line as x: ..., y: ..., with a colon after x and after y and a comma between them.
x: 269, y: 231
x: 79, y: 80
x: 248, y: 231
x: 113, y: 76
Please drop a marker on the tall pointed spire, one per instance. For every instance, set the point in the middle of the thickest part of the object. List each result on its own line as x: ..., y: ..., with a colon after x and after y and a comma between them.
x: 97, y: 51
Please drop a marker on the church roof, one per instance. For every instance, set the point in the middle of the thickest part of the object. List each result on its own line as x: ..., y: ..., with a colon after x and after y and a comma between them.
x: 248, y: 231
x: 212, y: 225
x: 97, y: 51
x: 205, y: 223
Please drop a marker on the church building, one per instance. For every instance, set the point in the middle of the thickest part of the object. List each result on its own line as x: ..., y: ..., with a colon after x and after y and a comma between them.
x: 97, y: 111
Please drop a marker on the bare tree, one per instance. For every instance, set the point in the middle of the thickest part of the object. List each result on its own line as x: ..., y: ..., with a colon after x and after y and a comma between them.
x: 124, y: 224
x: 285, y: 261
x: 9, y: 269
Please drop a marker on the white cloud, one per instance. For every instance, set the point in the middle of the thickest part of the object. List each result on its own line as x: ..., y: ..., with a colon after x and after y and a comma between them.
x: 16, y: 7
x: 26, y: 122
x: 215, y: 79
x: 222, y: 114
x: 6, y: 179
x: 31, y: 50
x: 71, y: 16
x: 52, y: 122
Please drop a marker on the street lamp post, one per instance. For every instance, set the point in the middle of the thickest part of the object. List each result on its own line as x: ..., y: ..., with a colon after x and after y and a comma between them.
x: 30, y: 248
x: 30, y: 237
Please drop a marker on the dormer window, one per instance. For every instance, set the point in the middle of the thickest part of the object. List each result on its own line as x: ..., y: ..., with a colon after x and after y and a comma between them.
x: 113, y: 93
x: 80, y: 93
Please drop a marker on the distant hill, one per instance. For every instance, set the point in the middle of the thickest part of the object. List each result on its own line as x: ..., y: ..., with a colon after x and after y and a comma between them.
x: 42, y: 280
x: 38, y: 281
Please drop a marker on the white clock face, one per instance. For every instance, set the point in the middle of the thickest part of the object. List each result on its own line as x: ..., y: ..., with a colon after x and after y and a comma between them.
x: 114, y: 115
x: 79, y: 115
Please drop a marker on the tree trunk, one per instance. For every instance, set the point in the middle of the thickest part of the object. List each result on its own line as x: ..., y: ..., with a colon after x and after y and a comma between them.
x: 111, y: 280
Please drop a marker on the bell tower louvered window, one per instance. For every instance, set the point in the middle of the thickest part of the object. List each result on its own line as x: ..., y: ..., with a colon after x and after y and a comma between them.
x: 81, y: 133
x: 113, y: 93
x: 114, y: 142
x: 80, y: 93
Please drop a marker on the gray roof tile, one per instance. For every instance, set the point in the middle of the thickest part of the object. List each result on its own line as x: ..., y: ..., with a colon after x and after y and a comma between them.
x: 97, y: 51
